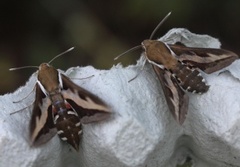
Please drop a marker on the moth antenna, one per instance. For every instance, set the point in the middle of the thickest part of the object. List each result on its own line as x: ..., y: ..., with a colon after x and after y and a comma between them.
x: 70, y: 49
x: 159, y: 24
x: 19, y: 68
x: 151, y: 36
x: 129, y: 50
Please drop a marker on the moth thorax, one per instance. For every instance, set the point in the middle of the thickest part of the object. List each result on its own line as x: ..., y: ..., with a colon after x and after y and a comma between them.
x: 159, y: 53
x: 190, y: 79
x: 69, y: 127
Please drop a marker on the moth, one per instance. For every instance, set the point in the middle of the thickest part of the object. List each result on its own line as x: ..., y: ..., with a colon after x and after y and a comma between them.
x: 178, y: 69
x: 61, y: 107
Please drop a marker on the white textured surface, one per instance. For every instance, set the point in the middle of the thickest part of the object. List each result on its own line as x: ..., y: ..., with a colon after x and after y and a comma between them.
x: 141, y: 131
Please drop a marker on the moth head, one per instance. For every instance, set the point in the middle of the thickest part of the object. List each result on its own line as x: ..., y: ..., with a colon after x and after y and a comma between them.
x: 45, y: 69
x: 147, y: 42
x: 43, y: 66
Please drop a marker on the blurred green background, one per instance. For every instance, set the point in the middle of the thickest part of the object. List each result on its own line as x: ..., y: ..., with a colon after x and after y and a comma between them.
x: 33, y: 32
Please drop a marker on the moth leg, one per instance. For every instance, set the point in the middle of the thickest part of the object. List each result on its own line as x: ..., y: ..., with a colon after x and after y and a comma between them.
x: 144, y: 62
x: 83, y: 78
x: 25, y: 96
x: 22, y: 100
x: 20, y: 109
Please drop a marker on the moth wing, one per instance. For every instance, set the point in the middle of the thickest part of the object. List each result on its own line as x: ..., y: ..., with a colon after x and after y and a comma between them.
x: 42, y: 128
x: 176, y: 98
x: 89, y: 107
x: 208, y: 60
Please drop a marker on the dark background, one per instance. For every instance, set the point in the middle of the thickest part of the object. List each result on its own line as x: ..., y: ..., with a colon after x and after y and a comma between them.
x: 32, y: 32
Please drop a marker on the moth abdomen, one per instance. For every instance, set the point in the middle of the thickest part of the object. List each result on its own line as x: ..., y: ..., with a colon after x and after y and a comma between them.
x: 69, y: 127
x: 190, y: 79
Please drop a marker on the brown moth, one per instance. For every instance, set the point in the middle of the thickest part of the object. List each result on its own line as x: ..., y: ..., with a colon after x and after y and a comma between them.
x: 62, y: 107
x: 177, y: 68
